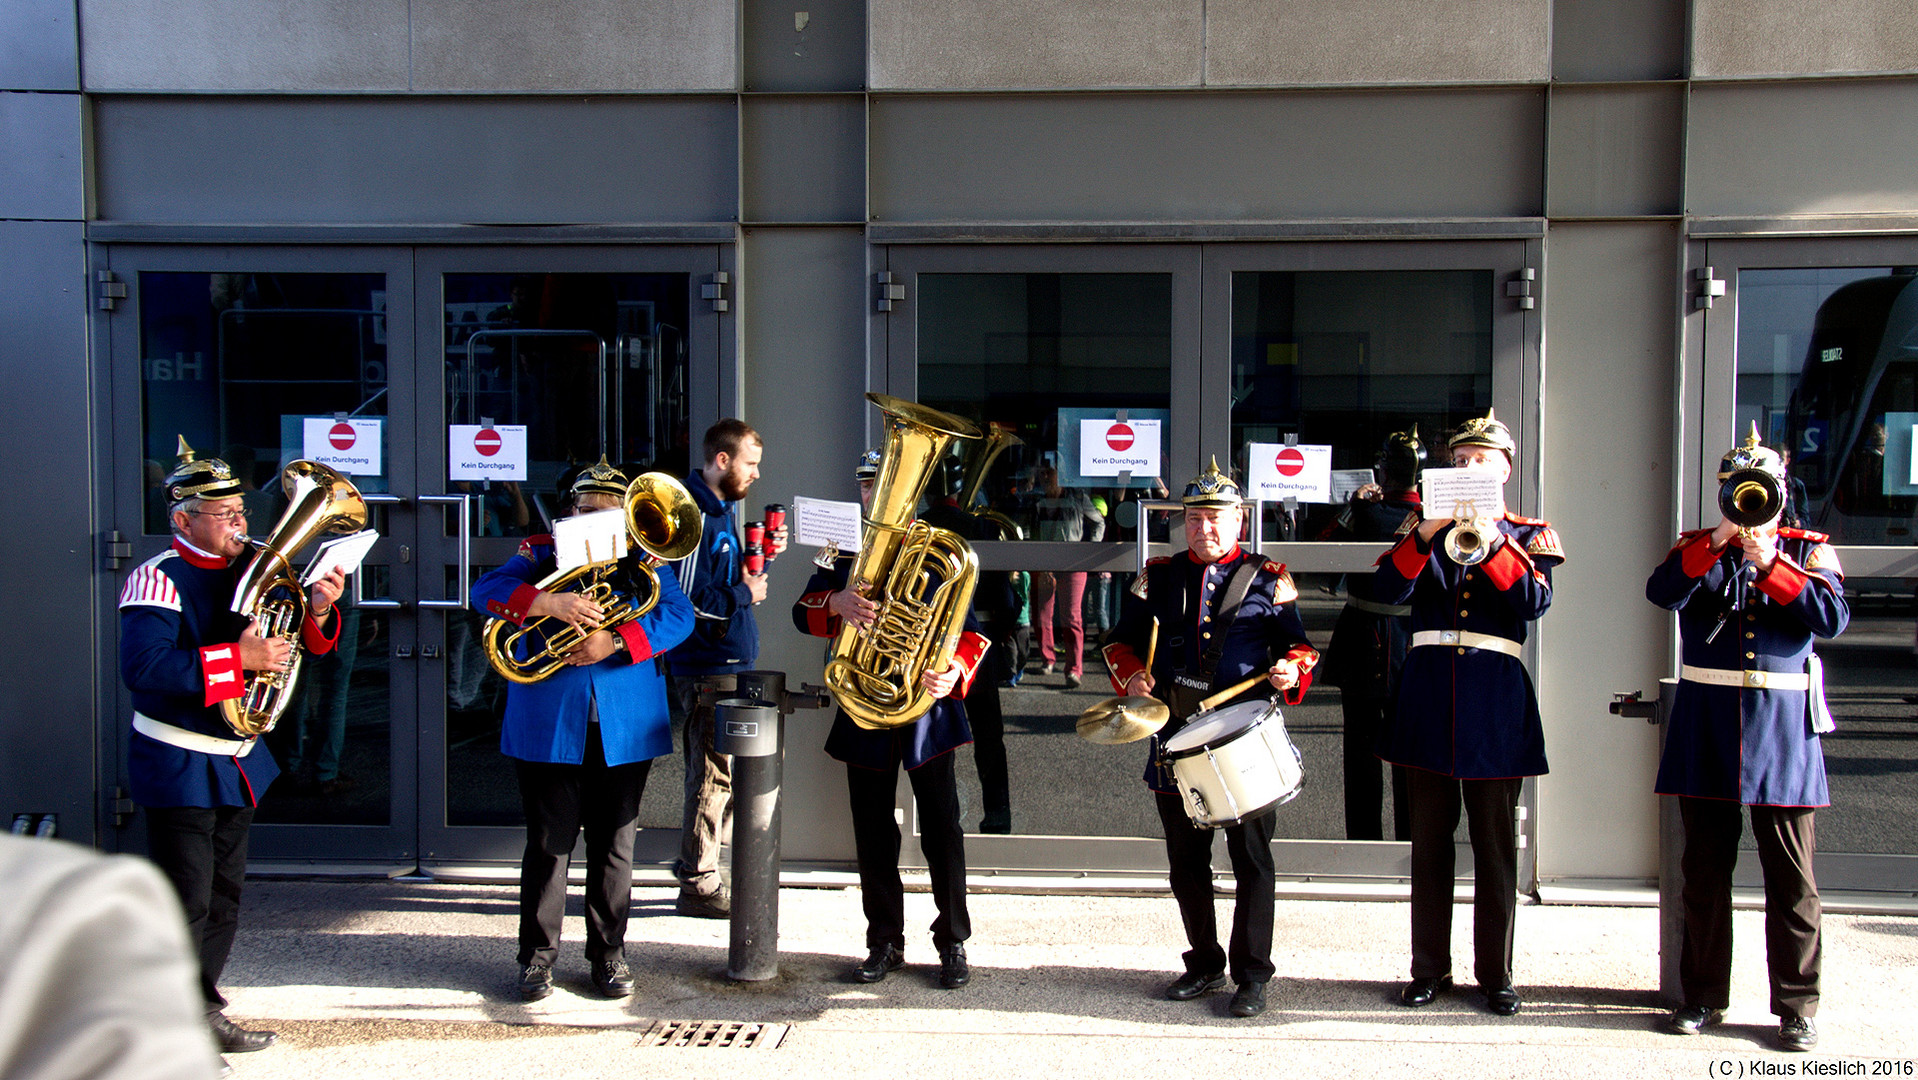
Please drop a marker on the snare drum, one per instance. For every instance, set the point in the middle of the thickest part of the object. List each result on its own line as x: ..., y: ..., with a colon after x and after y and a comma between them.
x: 1234, y: 763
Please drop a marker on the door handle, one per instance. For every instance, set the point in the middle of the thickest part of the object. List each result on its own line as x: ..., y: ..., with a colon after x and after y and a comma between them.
x: 429, y: 652
x: 465, y: 534
x: 403, y: 652
x: 378, y: 603
x: 1146, y: 507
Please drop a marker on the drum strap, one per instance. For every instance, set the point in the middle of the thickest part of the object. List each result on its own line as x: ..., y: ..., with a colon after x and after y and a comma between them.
x: 1188, y: 688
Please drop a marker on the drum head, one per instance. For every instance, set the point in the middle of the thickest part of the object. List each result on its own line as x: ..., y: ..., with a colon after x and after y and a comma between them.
x: 1210, y: 729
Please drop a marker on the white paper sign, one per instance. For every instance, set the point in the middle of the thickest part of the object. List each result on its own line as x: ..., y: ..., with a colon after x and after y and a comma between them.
x: 1110, y: 447
x: 1461, y: 493
x: 1347, y: 481
x: 478, y: 452
x: 352, y: 445
x: 345, y: 552
x: 818, y: 522
x: 1914, y: 456
x: 1275, y: 471
x: 589, y: 538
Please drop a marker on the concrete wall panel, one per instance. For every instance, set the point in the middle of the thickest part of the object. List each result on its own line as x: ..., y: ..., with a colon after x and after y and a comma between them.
x: 1035, y: 44
x: 1607, y: 487
x: 41, y: 170
x: 1741, y: 38
x: 49, y: 591
x: 239, y: 45
x: 1178, y: 157
x: 39, y: 49
x: 1803, y: 148
x: 583, y: 46
x: 803, y: 303
x: 1615, y: 150
x: 433, y: 160
x: 1316, y: 42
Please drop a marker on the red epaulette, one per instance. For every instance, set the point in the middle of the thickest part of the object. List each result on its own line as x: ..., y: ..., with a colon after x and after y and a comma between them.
x: 1516, y: 520
x: 527, y: 545
x: 1159, y: 560
x: 1271, y: 567
x: 1790, y: 533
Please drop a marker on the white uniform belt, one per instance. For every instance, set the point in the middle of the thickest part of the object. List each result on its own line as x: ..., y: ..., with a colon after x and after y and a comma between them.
x: 1466, y: 639
x: 190, y: 740
x: 1751, y: 680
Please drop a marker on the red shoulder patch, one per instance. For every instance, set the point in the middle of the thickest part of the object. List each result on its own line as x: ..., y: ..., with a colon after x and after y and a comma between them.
x: 1271, y: 567
x: 1159, y: 560
x: 1516, y: 520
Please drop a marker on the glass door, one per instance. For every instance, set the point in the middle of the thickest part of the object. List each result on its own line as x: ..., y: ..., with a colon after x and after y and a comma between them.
x: 1816, y: 341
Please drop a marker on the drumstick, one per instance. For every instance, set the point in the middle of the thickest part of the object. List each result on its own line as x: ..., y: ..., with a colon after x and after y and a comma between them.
x: 1232, y: 691
x: 1152, y: 645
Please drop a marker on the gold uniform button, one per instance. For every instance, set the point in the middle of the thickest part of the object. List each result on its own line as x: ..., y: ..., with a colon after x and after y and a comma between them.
x: 1463, y: 613
x: 1751, y: 656
x: 1461, y: 651
x: 1205, y: 635
x: 1749, y: 634
x: 1465, y: 595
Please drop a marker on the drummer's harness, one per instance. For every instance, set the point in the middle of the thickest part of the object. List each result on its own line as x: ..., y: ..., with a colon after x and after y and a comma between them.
x: 1187, y: 690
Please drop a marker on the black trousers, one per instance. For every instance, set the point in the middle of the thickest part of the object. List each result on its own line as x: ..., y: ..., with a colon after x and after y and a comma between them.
x: 1365, y: 719
x: 1794, y: 951
x: 1188, y: 854
x: 935, y: 789
x: 1491, y: 808
x: 986, y: 717
x: 560, y: 801
x: 202, y: 851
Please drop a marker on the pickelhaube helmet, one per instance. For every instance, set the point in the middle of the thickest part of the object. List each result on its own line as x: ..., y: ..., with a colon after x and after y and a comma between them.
x: 600, y: 479
x: 194, y: 477
x: 1751, y: 454
x: 1212, y: 488
x: 1400, y: 460
x: 1486, y: 430
x: 868, y: 467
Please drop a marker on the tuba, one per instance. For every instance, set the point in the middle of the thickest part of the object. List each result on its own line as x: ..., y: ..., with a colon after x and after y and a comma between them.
x: 978, y: 461
x: 663, y: 520
x: 920, y: 576
x: 319, y: 500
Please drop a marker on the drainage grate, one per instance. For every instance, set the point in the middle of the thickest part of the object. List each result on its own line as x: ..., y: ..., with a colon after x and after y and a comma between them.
x: 714, y: 1035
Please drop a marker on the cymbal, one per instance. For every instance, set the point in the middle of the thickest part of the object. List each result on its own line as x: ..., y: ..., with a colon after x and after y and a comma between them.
x: 1123, y: 720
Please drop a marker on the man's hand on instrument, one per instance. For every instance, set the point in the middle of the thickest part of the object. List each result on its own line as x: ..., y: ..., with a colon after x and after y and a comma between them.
x: 1370, y: 492
x: 1724, y: 535
x: 570, y: 608
x: 1761, y: 548
x: 325, y: 592
x: 1140, y: 685
x: 596, y: 646
x: 1430, y: 527
x: 261, y: 653
x: 1284, y: 675
x: 852, y: 607
x: 755, y: 584
x: 940, y: 683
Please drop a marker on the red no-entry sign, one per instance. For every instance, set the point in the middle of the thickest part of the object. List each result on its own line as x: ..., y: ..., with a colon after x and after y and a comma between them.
x: 342, y: 436
x: 1119, y: 436
x: 487, y: 442
x: 1291, y: 462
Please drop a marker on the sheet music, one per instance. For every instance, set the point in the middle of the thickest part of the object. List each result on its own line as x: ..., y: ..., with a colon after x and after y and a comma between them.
x: 345, y: 552
x: 589, y: 538
x: 1461, y: 493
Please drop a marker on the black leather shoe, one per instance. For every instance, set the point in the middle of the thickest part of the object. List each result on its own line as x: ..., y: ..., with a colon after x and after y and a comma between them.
x: 953, y: 972
x: 1193, y: 983
x: 717, y: 905
x: 1249, y: 1000
x: 1423, y: 991
x: 1797, y: 1034
x: 1502, y: 1001
x: 613, y: 977
x: 883, y: 961
x: 234, y: 1039
x: 535, y: 982
x: 1692, y: 1019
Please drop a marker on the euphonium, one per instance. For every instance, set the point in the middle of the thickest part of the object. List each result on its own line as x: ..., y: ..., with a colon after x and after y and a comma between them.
x: 920, y: 576
x: 663, y: 520
x: 1471, y: 537
x: 1749, y: 498
x: 978, y: 462
x: 319, y: 500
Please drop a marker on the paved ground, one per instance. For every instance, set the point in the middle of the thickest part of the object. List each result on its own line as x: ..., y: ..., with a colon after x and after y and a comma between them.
x: 391, y: 979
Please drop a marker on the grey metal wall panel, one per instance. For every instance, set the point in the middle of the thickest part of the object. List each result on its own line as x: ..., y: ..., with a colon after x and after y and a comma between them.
x: 1615, y: 151
x: 802, y: 312
x: 1036, y: 44
x: 1738, y: 38
x: 38, y: 47
x: 1802, y: 148
x: 48, y: 594
x: 584, y: 46
x: 821, y: 46
x: 1609, y: 305
x: 1617, y: 40
x: 41, y: 169
x: 1331, y: 42
x: 803, y: 158
x: 239, y: 45
x: 1188, y: 157
x: 380, y: 160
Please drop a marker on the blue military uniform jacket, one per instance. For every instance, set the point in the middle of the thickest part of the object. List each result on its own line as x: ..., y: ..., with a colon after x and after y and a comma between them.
x: 940, y: 731
x: 179, y: 657
x: 1185, y: 596
x: 546, y: 721
x: 1744, y: 743
x: 1469, y: 711
x: 725, y: 637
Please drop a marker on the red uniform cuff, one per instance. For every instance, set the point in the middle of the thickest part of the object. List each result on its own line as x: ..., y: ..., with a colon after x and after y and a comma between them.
x: 820, y: 621
x: 514, y: 608
x: 1785, y: 581
x: 638, y: 646
x: 314, y: 634
x: 966, y: 656
x: 1698, y: 556
x: 1308, y: 659
x: 220, y: 667
x: 1407, y: 558
x: 1123, y: 663
x: 1507, y: 565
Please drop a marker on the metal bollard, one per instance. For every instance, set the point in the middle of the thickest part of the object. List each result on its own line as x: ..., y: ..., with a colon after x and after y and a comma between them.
x: 750, y: 727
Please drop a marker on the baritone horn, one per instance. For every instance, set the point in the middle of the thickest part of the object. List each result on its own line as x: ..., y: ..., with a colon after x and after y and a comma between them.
x: 921, y: 577
x: 319, y: 500
x: 663, y: 520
